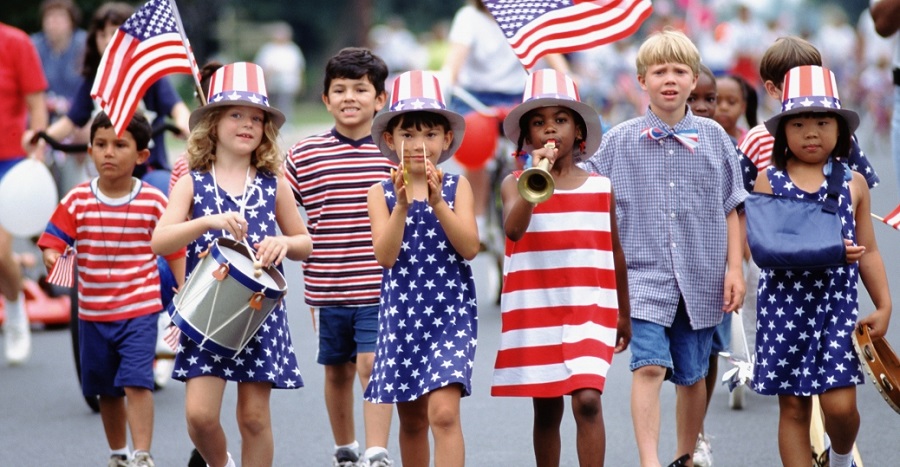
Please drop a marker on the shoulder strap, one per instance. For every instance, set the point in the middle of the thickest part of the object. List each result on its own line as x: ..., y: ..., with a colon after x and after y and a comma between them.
x: 835, y: 182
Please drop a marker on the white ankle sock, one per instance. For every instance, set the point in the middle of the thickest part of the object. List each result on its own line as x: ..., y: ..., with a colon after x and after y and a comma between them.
x: 230, y: 462
x: 840, y: 460
x: 353, y: 446
x: 120, y: 452
x: 15, y: 310
x: 372, y: 451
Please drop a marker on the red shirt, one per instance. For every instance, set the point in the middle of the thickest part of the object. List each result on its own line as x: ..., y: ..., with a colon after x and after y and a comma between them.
x: 20, y: 75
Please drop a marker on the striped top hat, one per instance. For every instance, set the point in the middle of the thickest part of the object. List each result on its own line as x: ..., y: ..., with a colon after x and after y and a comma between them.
x: 417, y: 91
x: 811, y: 88
x: 239, y: 83
x: 550, y: 88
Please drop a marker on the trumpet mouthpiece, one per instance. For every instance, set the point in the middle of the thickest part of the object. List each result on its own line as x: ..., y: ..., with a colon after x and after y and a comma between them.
x: 550, y: 144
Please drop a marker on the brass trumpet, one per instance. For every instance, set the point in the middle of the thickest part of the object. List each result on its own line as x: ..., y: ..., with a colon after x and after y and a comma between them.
x: 536, y: 184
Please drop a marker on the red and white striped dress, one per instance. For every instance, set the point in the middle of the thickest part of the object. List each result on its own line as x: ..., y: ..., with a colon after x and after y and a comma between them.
x: 757, y: 146
x: 558, y: 307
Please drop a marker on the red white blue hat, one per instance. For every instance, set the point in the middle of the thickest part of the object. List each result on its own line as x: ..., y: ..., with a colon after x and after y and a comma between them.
x: 417, y: 91
x: 550, y: 88
x: 811, y: 88
x: 239, y: 83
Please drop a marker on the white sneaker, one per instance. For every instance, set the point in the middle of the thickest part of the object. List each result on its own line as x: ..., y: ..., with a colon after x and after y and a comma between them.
x: 703, y: 452
x: 736, y: 398
x: 162, y: 371
x: 17, y: 338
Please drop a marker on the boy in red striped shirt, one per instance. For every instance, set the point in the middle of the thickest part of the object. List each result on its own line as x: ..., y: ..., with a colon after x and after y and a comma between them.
x: 109, y: 222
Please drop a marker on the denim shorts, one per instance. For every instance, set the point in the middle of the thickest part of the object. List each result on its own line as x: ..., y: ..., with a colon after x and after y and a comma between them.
x: 722, y: 337
x: 345, y: 332
x: 683, y: 351
x: 117, y: 354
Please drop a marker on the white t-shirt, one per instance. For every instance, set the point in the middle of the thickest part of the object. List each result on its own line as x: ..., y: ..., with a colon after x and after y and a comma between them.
x: 491, y: 64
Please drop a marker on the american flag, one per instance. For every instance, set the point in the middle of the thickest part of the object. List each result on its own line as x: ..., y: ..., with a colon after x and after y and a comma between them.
x: 63, y: 273
x: 537, y: 28
x: 893, y: 219
x: 148, y: 46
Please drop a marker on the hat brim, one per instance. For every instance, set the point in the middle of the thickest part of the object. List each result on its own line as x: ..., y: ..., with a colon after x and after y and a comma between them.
x: 274, y: 114
x: 851, y: 117
x: 379, y: 125
x: 588, y: 114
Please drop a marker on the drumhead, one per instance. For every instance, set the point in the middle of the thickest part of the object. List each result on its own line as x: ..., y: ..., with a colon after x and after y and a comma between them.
x: 27, y: 198
x: 245, y: 265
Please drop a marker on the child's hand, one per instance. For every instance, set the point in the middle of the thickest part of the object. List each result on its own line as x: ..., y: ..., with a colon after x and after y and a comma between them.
x: 399, y: 187
x: 271, y: 250
x: 50, y: 257
x: 854, y: 252
x: 623, y: 333
x: 434, y: 178
x: 544, y: 152
x: 734, y: 290
x: 877, y: 322
x: 231, y: 222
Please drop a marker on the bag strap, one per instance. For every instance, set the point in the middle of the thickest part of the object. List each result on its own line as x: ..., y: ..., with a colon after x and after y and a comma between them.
x: 835, y: 182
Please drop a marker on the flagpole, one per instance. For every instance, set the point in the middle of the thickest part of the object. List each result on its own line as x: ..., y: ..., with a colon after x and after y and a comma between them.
x: 190, y: 53
x: 876, y: 216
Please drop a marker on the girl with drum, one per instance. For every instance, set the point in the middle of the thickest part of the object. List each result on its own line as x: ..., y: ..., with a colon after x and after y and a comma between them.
x: 236, y: 189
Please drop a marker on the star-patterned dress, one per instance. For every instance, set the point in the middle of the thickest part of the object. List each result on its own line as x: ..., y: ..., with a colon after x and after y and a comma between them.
x: 269, y: 356
x: 805, y: 318
x: 427, y: 320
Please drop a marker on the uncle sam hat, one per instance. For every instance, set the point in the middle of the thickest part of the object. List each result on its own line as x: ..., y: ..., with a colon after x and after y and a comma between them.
x: 811, y: 88
x: 416, y: 91
x: 550, y: 88
x: 240, y: 83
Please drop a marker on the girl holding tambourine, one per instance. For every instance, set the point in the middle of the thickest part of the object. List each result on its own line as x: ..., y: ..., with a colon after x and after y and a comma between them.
x: 806, y: 317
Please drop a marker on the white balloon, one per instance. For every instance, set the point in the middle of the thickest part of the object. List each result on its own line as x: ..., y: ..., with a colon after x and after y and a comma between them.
x: 27, y: 198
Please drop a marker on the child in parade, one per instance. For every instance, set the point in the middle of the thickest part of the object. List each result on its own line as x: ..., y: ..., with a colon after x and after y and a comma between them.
x: 789, y: 52
x: 737, y: 99
x: 331, y: 174
x: 235, y: 189
x: 684, y: 268
x: 109, y: 221
x: 424, y: 234
x: 800, y: 351
x: 559, y: 335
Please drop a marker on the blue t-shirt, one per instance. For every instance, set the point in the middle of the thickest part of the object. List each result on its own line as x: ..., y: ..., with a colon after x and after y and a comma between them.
x: 159, y: 100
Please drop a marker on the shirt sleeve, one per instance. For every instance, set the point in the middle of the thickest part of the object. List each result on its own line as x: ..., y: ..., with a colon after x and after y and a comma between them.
x: 82, y: 105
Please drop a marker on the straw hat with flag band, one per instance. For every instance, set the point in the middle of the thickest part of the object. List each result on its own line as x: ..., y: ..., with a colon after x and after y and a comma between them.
x: 240, y: 83
x: 811, y: 88
x: 550, y: 88
x: 417, y: 91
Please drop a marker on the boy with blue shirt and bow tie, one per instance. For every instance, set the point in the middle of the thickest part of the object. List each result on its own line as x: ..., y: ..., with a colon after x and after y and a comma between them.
x: 678, y: 181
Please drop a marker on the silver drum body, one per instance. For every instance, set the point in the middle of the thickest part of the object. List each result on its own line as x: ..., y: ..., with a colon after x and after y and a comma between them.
x: 223, y: 304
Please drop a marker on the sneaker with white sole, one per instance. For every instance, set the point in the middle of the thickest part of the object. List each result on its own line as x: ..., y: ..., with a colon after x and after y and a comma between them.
x: 345, y: 457
x: 118, y: 460
x: 382, y: 459
x: 17, y: 339
x: 142, y: 459
x: 703, y: 452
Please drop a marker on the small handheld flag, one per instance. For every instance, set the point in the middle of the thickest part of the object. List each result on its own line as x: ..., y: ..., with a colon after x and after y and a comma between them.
x: 63, y: 272
x: 892, y: 219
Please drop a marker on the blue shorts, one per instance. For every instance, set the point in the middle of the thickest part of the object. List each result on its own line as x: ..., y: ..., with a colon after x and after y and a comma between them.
x: 683, y: 351
x: 345, y: 332
x: 117, y: 354
x: 8, y: 164
x: 722, y: 337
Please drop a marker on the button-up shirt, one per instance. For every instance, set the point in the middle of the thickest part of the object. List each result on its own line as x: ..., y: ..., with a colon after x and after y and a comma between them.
x: 671, y: 206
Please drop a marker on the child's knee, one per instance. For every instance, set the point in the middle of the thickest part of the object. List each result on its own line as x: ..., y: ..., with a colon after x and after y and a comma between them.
x: 252, y: 423
x: 201, y: 420
x: 586, y: 404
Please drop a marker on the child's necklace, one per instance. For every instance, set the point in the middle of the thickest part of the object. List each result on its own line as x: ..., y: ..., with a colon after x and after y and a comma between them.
x: 103, y: 228
x: 242, y: 203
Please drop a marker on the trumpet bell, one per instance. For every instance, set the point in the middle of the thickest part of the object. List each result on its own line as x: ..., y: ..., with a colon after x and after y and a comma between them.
x: 536, y: 185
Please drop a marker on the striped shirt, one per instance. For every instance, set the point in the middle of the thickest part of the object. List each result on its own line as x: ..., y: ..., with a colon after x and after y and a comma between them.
x: 671, y: 206
x: 330, y: 176
x: 117, y: 272
x: 559, y: 307
x: 757, y: 146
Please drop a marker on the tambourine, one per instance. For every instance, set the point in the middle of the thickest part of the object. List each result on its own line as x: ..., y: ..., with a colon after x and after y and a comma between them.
x: 881, y: 363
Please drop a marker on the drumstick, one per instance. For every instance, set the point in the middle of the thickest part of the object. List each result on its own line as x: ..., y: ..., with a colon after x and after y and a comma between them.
x: 257, y: 265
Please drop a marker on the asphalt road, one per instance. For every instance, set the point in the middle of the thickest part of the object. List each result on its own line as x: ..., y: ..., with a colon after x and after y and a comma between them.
x: 44, y: 420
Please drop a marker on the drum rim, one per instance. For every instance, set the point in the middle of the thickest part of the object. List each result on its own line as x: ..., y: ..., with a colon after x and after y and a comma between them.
x: 245, y: 280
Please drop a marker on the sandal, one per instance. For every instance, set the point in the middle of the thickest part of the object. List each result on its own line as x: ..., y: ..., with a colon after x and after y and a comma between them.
x: 681, y: 461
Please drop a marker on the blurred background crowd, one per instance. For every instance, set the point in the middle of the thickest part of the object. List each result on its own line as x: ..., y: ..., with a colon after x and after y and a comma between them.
x: 292, y: 39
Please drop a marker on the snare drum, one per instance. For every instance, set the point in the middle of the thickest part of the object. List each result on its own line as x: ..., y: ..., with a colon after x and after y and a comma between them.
x: 223, y: 304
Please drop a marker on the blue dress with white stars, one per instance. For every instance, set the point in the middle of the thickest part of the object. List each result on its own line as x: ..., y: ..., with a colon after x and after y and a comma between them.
x: 269, y: 356
x: 805, y: 318
x: 427, y: 320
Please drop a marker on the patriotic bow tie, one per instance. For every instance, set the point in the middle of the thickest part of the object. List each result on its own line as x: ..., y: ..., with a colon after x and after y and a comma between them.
x: 690, y: 138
